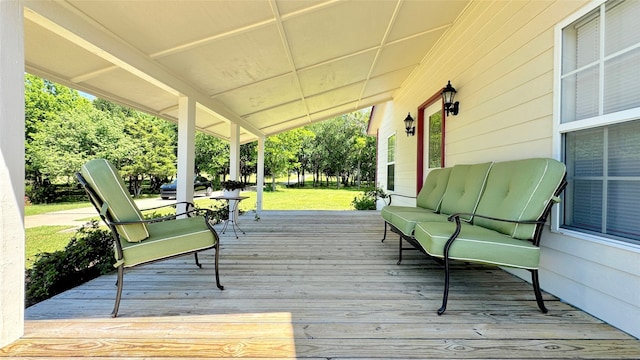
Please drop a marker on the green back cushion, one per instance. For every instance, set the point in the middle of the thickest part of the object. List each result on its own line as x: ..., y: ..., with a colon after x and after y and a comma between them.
x: 430, y: 196
x: 108, y: 185
x: 464, y: 188
x: 519, y: 190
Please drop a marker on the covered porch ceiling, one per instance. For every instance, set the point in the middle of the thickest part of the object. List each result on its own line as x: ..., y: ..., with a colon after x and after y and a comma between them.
x: 268, y: 66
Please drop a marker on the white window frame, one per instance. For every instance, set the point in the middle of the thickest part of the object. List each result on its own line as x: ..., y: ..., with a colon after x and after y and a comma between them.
x: 559, y: 129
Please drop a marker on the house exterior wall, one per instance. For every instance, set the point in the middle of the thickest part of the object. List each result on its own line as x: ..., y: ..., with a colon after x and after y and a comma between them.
x: 500, y: 58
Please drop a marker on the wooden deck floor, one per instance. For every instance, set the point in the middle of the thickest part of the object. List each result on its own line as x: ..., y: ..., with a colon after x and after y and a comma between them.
x: 313, y: 285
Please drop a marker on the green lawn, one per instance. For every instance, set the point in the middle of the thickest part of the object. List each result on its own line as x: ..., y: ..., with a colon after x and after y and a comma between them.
x: 52, y: 238
x: 37, y: 209
x: 45, y: 239
x: 295, y: 199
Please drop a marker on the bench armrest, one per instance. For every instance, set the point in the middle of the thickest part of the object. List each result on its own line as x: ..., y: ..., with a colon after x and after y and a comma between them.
x: 189, y: 205
x: 400, y: 195
x: 456, y: 217
x: 208, y: 214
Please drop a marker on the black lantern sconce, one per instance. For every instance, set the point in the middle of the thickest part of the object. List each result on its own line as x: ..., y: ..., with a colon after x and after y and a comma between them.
x: 448, y: 94
x: 408, y: 125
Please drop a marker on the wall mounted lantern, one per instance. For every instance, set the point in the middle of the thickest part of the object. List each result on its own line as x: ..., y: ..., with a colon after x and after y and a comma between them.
x: 448, y: 94
x: 408, y: 125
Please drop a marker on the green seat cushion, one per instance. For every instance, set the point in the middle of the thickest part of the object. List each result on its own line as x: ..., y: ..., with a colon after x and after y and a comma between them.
x: 519, y: 190
x: 406, y: 220
x: 477, y: 244
x: 464, y: 189
x: 106, y: 181
x: 169, y: 238
x: 430, y: 196
x: 387, y: 211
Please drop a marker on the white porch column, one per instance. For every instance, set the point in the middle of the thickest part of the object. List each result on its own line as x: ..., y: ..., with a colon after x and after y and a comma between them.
x: 186, y: 150
x: 234, y: 163
x: 260, y: 175
x: 11, y: 172
x: 234, y: 152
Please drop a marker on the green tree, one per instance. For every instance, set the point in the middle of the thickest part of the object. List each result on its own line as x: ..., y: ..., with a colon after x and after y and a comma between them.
x: 44, y: 102
x: 280, y: 151
x: 60, y: 145
x: 248, y: 160
x: 153, y: 154
x: 212, y: 155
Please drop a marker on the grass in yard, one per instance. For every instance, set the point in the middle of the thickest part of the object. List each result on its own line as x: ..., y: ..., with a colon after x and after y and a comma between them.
x: 46, y: 239
x: 295, y: 199
x: 37, y: 209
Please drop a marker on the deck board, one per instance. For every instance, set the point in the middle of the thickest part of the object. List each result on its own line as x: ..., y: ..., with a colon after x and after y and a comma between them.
x: 313, y: 285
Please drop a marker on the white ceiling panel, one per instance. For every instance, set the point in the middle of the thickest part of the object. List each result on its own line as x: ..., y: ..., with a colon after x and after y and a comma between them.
x: 335, y: 111
x: 52, y: 53
x: 336, y: 31
x: 420, y: 16
x: 278, y: 114
x: 335, y: 97
x: 389, y: 82
x: 262, y: 95
x: 231, y: 62
x: 155, y: 27
x: 401, y: 54
x: 336, y: 74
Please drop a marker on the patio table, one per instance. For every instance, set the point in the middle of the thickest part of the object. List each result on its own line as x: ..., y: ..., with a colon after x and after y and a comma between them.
x: 232, y: 202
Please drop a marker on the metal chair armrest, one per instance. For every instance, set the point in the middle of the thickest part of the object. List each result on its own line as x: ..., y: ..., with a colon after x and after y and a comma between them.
x: 399, y: 195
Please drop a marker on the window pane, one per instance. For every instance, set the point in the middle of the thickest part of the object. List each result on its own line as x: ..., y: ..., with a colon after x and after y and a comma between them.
x: 585, y: 212
x: 435, y: 140
x: 624, y: 149
x: 581, y: 43
x: 621, y: 28
x: 580, y: 95
x: 391, y: 149
x: 584, y: 153
x: 622, y: 209
x: 391, y: 176
x: 622, y: 82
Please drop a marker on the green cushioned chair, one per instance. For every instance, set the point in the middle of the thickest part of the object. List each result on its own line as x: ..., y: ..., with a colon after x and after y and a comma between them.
x: 139, y: 241
x: 507, y: 224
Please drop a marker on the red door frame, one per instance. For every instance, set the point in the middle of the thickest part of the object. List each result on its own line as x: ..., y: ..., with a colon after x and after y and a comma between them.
x: 421, y: 128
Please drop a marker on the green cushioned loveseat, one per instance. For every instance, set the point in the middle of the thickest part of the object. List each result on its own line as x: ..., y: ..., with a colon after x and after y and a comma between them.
x: 490, y: 213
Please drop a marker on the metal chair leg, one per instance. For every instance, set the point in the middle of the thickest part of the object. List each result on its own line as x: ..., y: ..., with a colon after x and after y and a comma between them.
x: 536, y: 289
x: 114, y: 313
x: 385, y: 231
x: 197, y: 262
x: 445, y: 296
x: 399, y: 251
x: 216, y: 266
